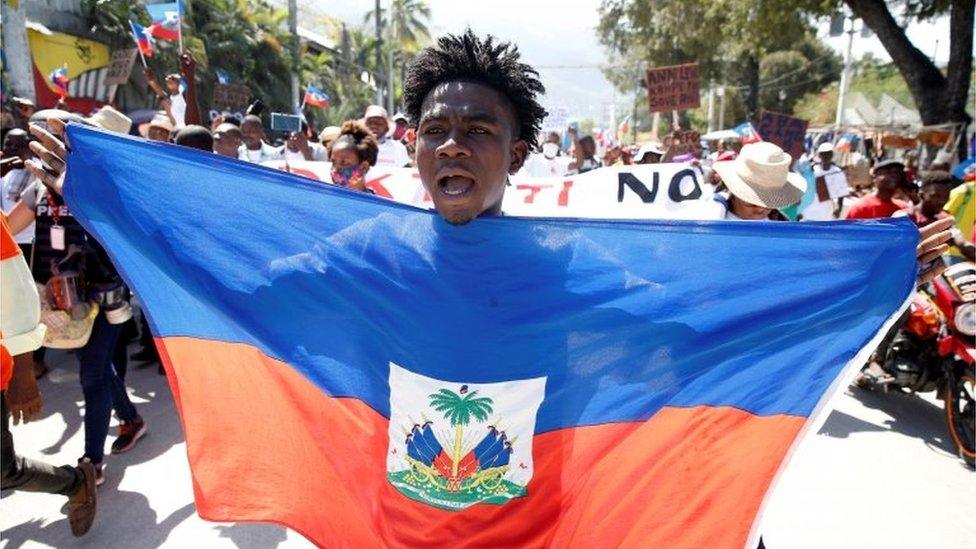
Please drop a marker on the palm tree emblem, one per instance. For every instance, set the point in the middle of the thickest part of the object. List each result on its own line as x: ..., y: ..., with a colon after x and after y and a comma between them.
x: 459, y: 409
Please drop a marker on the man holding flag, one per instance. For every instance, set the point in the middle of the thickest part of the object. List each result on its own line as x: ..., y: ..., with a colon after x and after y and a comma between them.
x: 515, y: 382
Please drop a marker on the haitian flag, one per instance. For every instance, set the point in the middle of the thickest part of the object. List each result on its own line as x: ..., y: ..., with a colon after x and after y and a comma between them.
x: 143, y: 39
x: 367, y: 374
x: 316, y: 97
x: 166, y: 20
x: 59, y: 77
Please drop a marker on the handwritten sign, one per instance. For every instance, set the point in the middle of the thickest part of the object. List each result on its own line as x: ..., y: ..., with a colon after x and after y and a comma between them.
x: 784, y: 131
x: 673, y: 88
x: 557, y: 120
x: 231, y: 96
x: 120, y: 66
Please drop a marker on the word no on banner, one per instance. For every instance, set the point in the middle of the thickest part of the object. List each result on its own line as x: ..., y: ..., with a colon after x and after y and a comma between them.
x: 674, y: 88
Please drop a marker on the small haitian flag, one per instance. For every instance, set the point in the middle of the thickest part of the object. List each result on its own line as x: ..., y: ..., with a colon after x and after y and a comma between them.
x: 316, y: 98
x: 747, y: 133
x: 512, y: 382
x: 59, y: 77
x: 143, y: 38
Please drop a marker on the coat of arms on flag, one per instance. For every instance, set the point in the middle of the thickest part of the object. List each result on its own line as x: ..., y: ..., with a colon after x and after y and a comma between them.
x: 453, y: 445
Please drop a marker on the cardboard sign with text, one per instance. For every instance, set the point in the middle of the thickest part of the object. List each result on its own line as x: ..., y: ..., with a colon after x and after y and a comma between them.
x: 674, y: 88
x: 784, y: 131
x: 120, y: 67
x: 231, y: 96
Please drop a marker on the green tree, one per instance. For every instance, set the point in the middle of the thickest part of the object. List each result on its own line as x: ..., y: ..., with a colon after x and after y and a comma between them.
x: 405, y: 32
x: 940, y: 97
x: 728, y: 38
x: 459, y: 410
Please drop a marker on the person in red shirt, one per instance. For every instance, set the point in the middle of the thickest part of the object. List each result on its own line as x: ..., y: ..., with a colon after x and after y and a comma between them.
x: 888, y: 178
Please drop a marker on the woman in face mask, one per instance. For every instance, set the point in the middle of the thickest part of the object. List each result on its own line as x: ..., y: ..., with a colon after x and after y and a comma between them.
x: 352, y: 154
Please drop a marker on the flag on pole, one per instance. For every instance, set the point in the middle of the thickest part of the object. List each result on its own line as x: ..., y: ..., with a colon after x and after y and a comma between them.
x: 512, y: 382
x: 168, y: 29
x: 623, y: 128
x: 144, y: 39
x: 59, y: 77
x: 166, y: 20
x: 222, y: 77
x: 316, y: 98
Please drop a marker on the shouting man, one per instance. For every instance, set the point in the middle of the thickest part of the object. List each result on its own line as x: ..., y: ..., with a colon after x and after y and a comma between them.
x: 476, y: 108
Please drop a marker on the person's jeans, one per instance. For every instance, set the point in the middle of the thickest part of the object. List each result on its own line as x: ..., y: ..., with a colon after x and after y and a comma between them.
x: 102, y: 387
x: 20, y: 473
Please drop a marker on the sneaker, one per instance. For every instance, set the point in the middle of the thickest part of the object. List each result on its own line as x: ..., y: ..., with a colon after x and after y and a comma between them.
x: 81, y: 504
x: 129, y: 433
x: 98, y: 467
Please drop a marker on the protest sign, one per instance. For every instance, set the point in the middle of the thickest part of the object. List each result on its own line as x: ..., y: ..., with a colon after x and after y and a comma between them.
x: 231, y: 96
x: 673, y: 88
x: 785, y: 131
x: 656, y: 191
x: 557, y: 120
x: 120, y: 66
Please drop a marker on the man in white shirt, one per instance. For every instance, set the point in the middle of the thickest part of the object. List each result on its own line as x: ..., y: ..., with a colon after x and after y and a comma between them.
x: 392, y: 152
x: 299, y: 147
x: 177, y: 102
x: 831, y: 186
x: 254, y: 148
x: 547, y: 164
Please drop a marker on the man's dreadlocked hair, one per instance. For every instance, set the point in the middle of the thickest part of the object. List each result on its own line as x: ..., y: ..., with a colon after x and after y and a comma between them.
x: 469, y: 58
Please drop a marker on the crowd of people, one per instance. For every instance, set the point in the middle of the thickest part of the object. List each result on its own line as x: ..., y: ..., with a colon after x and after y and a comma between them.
x: 468, y: 107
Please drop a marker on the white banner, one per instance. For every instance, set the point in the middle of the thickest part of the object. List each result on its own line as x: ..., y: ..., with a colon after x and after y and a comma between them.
x: 658, y: 191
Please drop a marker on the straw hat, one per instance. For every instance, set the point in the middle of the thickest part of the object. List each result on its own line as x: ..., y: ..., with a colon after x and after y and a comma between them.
x: 110, y: 119
x: 761, y: 175
x: 159, y: 121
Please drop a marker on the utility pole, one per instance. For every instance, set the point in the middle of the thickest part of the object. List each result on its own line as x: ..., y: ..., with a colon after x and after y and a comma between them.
x: 845, y: 77
x: 379, y: 54
x: 297, y: 63
x: 721, y: 107
x: 711, y: 108
x: 391, y: 91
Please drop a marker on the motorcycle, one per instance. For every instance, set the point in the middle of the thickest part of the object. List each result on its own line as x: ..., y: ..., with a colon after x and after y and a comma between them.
x: 934, y: 351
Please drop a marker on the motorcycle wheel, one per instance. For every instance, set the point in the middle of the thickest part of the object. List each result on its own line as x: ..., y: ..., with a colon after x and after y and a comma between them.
x: 960, y: 409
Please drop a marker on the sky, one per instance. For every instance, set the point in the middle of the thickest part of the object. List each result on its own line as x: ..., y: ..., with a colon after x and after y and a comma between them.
x: 559, y: 39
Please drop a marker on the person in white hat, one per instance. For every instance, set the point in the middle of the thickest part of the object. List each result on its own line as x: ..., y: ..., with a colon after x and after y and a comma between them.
x: 110, y: 119
x: 831, y: 188
x: 649, y: 153
x: 160, y: 128
x: 759, y: 181
x: 392, y: 152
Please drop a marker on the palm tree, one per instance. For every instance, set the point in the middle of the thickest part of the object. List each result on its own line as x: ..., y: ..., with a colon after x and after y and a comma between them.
x: 406, y: 32
x: 407, y: 29
x: 459, y: 410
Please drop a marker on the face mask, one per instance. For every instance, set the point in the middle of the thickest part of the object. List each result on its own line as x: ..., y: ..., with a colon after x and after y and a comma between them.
x: 348, y: 176
x: 550, y: 150
x: 398, y: 132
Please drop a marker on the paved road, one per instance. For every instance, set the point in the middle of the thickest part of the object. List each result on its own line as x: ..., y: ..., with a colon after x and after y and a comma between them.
x: 881, y: 473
